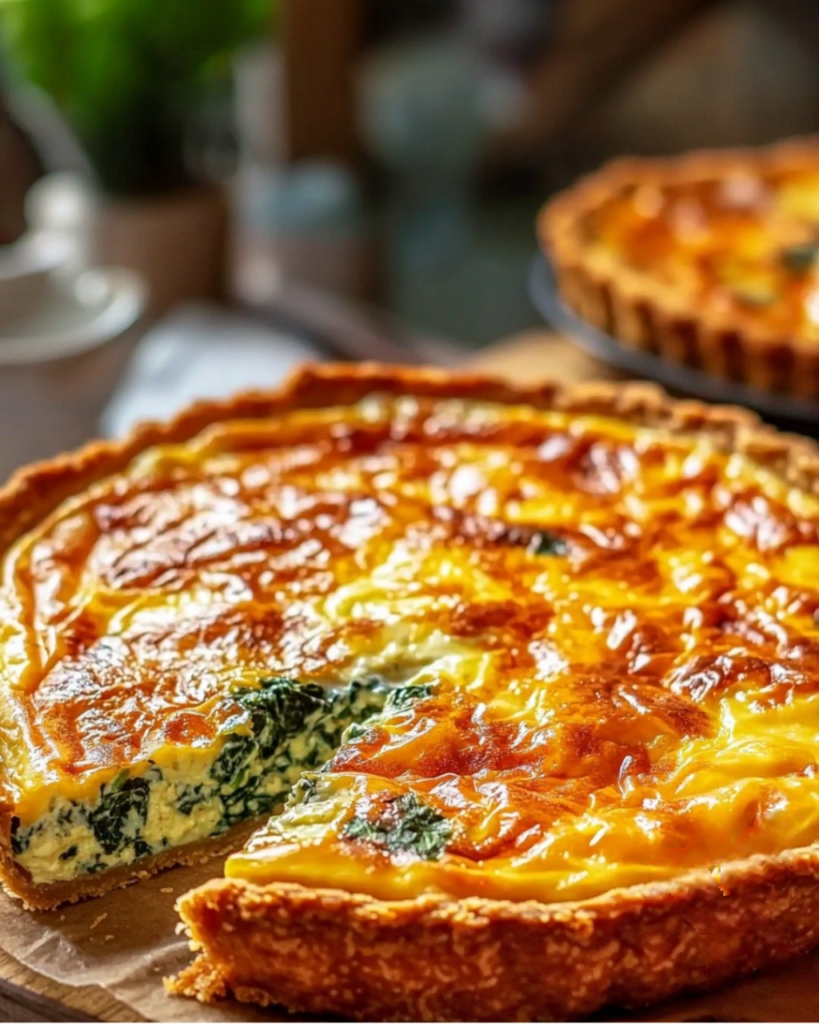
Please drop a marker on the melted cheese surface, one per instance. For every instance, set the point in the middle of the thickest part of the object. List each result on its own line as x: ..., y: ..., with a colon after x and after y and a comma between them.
x: 746, y: 246
x: 617, y: 629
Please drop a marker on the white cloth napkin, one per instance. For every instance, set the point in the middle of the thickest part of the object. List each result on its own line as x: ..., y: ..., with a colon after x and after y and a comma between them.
x: 200, y: 351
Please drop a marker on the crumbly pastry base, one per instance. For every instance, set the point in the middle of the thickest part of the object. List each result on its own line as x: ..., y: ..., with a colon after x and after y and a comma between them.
x: 435, y: 958
x: 647, y: 315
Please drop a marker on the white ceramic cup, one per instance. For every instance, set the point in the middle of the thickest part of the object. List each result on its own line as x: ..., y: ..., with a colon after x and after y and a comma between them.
x: 64, y: 339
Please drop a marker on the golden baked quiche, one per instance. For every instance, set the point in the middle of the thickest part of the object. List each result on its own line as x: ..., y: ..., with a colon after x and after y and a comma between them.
x: 528, y: 678
x: 709, y: 259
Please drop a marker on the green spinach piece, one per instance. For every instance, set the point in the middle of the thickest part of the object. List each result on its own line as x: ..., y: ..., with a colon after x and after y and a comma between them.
x: 19, y: 840
x: 405, y: 825
x: 121, y: 812
x: 305, y: 791
x: 544, y: 542
x: 800, y: 258
x: 403, y: 697
x: 188, y: 797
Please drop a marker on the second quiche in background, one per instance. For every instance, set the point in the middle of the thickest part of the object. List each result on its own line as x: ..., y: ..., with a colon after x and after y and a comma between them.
x: 710, y: 259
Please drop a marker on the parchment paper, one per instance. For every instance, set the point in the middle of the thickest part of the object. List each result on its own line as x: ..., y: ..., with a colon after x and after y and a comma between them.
x: 127, y: 941
x: 124, y: 942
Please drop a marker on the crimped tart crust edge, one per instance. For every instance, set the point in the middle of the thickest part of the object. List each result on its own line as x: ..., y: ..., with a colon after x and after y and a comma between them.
x: 642, y: 315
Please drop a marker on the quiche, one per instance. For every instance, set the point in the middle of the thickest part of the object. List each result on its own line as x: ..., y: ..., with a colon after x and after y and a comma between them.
x: 710, y: 259
x: 520, y: 685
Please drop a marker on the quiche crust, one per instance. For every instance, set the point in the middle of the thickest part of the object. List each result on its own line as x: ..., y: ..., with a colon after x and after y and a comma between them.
x: 434, y: 957
x: 319, y: 951
x: 646, y: 313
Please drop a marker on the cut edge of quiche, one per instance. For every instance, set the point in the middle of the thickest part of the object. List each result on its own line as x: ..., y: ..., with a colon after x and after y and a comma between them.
x: 180, y: 803
x: 433, y: 956
x: 659, y: 305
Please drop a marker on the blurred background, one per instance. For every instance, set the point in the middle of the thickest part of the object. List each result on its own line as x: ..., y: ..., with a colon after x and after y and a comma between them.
x: 196, y: 194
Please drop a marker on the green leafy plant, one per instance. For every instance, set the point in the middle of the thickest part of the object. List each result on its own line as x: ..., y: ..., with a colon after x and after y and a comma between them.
x: 129, y: 74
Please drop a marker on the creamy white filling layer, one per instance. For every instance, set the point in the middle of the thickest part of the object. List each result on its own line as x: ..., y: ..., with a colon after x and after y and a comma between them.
x: 63, y: 845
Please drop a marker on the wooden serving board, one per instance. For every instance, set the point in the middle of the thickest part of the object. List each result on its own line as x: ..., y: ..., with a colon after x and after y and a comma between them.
x: 27, y: 996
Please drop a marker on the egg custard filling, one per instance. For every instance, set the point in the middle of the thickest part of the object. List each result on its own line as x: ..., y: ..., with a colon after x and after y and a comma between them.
x: 486, y: 650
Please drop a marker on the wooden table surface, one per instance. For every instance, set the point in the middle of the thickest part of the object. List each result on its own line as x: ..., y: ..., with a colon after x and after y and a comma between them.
x: 541, y: 354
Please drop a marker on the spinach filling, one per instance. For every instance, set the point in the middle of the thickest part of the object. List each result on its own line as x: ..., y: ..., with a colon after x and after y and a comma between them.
x: 799, y: 259
x: 535, y: 539
x: 19, y: 840
x: 544, y: 542
x: 403, y: 697
x: 119, y: 817
x: 404, y: 825
x: 293, y: 727
x: 399, y: 824
x: 283, y: 729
